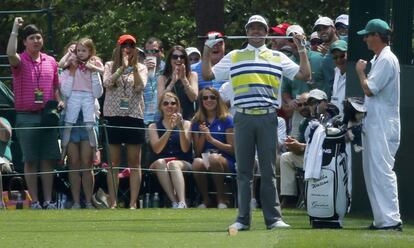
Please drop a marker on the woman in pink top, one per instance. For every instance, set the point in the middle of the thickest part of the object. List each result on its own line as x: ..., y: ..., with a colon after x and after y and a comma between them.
x: 35, y: 82
x: 124, y: 80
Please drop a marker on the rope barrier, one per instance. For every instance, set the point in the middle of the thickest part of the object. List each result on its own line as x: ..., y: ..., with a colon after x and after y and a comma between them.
x: 109, y: 126
x: 121, y: 168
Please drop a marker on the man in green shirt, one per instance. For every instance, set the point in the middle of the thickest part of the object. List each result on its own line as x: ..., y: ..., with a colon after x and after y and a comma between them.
x: 5, y: 153
x: 292, y: 89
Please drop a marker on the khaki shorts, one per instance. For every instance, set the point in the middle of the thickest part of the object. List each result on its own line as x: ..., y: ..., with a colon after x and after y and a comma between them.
x: 6, y: 167
x: 36, y: 144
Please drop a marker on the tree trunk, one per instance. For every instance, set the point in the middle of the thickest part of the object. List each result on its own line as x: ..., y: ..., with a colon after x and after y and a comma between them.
x: 209, y: 17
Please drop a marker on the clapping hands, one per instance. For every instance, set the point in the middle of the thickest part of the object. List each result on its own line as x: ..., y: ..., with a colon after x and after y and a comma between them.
x: 177, y: 121
x: 205, y: 131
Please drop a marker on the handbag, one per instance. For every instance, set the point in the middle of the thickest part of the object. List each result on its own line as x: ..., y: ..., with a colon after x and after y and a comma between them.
x: 16, y: 197
x: 50, y: 114
x: 97, y: 89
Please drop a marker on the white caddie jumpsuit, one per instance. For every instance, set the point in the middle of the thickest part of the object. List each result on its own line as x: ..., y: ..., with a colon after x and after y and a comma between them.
x: 382, y: 138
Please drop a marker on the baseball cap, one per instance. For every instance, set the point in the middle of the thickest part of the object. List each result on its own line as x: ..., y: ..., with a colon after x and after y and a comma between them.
x: 294, y: 29
x: 216, y: 34
x: 257, y: 18
x: 123, y: 38
x: 341, y: 45
x: 344, y: 19
x: 281, y: 28
x: 286, y: 48
x: 357, y: 103
x: 324, y: 21
x: 317, y: 94
x: 190, y: 50
x: 375, y: 26
x: 314, y: 35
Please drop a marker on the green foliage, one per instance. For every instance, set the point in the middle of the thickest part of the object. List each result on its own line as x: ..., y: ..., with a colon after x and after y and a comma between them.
x: 171, y: 21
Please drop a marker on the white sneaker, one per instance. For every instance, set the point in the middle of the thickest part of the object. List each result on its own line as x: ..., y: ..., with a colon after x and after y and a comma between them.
x: 174, y: 205
x: 236, y: 227
x: 182, y: 205
x: 202, y: 205
x: 35, y: 205
x: 49, y: 205
x: 76, y: 206
x: 89, y: 205
x: 221, y: 205
x: 278, y: 224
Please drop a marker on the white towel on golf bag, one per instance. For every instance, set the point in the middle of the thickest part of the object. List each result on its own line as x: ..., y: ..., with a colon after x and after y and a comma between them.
x: 313, y: 154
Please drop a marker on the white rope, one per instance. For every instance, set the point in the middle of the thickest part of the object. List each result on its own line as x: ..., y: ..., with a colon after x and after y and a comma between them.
x: 121, y: 168
x: 109, y: 126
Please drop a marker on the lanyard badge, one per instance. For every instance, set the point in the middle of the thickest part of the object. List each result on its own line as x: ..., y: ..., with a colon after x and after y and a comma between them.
x: 38, y: 95
x: 124, y: 103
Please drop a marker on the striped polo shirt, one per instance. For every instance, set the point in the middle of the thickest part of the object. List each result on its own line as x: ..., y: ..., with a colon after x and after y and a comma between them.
x: 256, y: 75
x: 30, y: 75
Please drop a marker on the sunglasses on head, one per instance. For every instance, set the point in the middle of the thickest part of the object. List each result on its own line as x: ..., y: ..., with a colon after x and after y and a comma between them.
x: 166, y: 103
x: 211, y: 97
x: 127, y: 44
x: 152, y: 51
x: 175, y: 56
x: 338, y: 57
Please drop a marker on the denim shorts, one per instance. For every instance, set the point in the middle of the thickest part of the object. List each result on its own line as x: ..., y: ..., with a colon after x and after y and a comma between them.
x: 79, y: 134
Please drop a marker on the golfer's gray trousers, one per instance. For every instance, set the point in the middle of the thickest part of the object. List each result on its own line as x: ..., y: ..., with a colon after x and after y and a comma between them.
x: 257, y: 132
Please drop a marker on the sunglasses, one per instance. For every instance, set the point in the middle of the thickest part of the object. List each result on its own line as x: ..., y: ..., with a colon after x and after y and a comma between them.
x: 315, y: 42
x: 152, y: 51
x: 166, y: 103
x: 211, y: 97
x: 313, y: 102
x: 129, y: 45
x: 300, y: 104
x: 338, y: 57
x: 175, y: 57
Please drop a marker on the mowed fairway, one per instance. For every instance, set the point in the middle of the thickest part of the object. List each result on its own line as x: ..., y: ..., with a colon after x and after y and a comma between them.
x: 181, y: 228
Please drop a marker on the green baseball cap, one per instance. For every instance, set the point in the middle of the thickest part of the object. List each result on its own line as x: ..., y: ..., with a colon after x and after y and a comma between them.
x: 341, y: 45
x: 375, y: 26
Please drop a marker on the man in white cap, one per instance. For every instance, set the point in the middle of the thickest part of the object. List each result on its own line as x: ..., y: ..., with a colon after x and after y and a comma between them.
x: 193, y: 54
x: 255, y: 73
x: 381, y: 137
x: 292, y: 89
x: 217, y: 53
x: 327, y: 32
x: 342, y: 26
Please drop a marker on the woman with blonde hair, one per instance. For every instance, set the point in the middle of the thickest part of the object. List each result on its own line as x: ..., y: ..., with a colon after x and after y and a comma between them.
x: 170, y: 140
x: 125, y: 79
x: 212, y: 128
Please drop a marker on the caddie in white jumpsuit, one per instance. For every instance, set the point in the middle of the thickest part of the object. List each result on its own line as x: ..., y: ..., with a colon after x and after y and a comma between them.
x: 382, y: 125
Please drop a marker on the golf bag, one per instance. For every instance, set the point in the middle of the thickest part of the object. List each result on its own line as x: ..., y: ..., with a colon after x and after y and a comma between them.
x: 328, y: 198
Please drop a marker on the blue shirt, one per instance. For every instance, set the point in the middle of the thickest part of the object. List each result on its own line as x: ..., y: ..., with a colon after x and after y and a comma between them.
x: 203, y: 83
x: 218, y: 131
x: 151, y: 113
x: 173, y: 147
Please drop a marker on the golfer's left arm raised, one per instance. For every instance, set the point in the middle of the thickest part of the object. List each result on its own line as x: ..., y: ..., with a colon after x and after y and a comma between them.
x: 304, y: 72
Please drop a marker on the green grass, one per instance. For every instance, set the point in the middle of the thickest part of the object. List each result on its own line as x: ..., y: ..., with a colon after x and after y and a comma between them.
x: 181, y: 228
